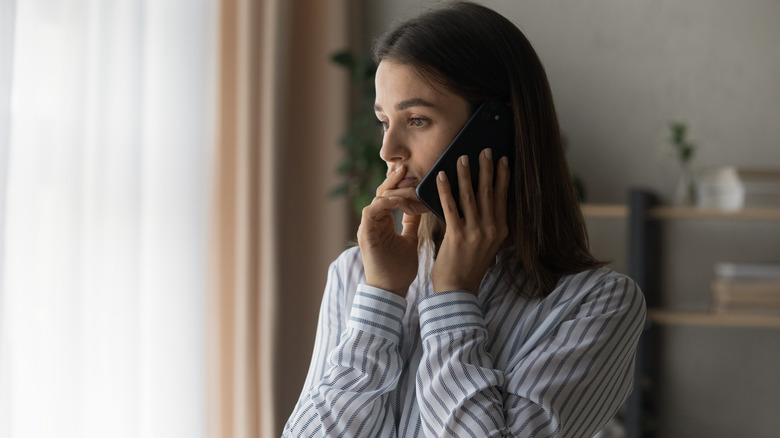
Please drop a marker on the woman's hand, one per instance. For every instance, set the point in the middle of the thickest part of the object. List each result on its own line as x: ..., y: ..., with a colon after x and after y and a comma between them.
x: 470, y: 243
x: 389, y: 258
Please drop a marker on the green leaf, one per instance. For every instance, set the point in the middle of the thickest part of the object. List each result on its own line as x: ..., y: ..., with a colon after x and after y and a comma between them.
x: 339, y: 190
x: 685, y: 149
x: 344, y: 58
x: 361, y: 168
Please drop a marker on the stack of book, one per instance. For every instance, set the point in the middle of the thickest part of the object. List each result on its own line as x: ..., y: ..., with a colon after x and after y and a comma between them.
x: 734, y: 188
x: 747, y: 288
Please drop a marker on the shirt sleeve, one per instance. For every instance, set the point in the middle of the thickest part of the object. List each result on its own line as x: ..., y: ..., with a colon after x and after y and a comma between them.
x: 346, y: 395
x: 570, y: 383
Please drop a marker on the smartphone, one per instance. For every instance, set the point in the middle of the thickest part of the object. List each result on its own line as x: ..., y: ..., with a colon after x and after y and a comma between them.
x: 491, y: 126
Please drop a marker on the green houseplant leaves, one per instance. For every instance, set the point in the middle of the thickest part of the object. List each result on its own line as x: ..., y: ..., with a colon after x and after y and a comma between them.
x: 361, y: 168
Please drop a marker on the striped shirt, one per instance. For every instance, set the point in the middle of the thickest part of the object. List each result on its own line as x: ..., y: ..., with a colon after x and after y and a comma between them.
x: 458, y: 365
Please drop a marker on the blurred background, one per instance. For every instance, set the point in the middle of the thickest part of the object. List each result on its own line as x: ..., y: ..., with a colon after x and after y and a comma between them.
x: 167, y: 214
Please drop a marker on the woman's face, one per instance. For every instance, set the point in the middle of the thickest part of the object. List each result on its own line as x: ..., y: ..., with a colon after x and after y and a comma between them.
x: 418, y: 120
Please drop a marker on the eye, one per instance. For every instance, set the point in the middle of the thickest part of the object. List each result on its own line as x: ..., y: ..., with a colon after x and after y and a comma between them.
x: 418, y: 122
x: 382, y: 126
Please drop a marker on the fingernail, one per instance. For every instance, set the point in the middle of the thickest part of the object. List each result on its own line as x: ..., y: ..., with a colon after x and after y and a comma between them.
x: 399, y: 168
x: 464, y: 160
x: 442, y: 176
x: 488, y: 153
x: 505, y: 161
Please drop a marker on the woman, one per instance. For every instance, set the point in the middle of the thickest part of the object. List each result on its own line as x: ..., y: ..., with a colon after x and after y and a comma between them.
x: 499, y: 323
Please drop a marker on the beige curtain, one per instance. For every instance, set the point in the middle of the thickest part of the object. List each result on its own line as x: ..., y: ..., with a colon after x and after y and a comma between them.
x: 283, y: 106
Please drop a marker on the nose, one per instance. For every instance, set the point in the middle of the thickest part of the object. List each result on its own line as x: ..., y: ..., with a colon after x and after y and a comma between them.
x: 394, y: 148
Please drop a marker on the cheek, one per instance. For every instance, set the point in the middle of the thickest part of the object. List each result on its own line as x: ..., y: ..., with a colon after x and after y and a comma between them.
x: 429, y: 147
x: 431, y: 156
x: 442, y: 140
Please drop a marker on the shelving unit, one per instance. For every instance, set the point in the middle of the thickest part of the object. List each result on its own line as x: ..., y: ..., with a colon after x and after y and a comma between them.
x: 644, y: 216
x: 671, y: 317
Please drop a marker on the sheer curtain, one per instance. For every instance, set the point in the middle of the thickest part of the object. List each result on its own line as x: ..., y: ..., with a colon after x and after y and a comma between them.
x: 106, y: 133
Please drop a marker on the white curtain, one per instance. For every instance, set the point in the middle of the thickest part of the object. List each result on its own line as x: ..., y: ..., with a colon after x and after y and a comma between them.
x: 106, y: 143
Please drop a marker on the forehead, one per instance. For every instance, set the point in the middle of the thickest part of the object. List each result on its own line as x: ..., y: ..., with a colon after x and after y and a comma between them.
x: 396, y: 82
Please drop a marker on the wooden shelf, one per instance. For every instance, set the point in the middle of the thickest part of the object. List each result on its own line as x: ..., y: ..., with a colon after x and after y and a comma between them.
x: 621, y: 211
x: 668, y: 317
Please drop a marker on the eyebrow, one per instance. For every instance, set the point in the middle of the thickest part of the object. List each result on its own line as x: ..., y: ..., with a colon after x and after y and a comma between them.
x: 409, y: 103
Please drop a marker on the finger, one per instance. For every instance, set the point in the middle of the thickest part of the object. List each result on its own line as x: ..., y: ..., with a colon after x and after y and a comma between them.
x: 376, y: 221
x: 485, y: 197
x: 379, y: 208
x: 451, y: 216
x: 411, y: 223
x: 404, y: 192
x: 501, y: 190
x: 409, y: 202
x: 411, y: 206
x: 467, y: 202
x: 392, y: 180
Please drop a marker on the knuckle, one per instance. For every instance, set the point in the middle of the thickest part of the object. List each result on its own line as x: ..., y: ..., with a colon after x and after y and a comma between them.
x: 368, y: 209
x: 365, y: 219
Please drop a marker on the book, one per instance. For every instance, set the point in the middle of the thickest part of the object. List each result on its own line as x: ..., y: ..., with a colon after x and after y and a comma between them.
x: 760, y: 296
x: 762, y: 187
x: 749, y: 271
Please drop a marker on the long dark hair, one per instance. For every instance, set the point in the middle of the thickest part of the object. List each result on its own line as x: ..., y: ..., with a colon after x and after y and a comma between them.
x: 479, y: 55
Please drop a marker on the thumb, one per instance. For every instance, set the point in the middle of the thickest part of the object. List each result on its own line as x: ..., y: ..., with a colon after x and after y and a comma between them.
x: 410, y: 225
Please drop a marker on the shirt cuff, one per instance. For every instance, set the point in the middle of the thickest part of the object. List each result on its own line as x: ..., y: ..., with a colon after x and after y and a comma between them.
x: 377, y: 311
x: 448, y: 312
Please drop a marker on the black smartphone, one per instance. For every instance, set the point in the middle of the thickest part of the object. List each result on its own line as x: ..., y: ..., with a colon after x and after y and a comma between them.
x: 491, y: 126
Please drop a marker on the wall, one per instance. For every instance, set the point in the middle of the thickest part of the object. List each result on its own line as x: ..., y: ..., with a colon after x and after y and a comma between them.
x: 620, y: 71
